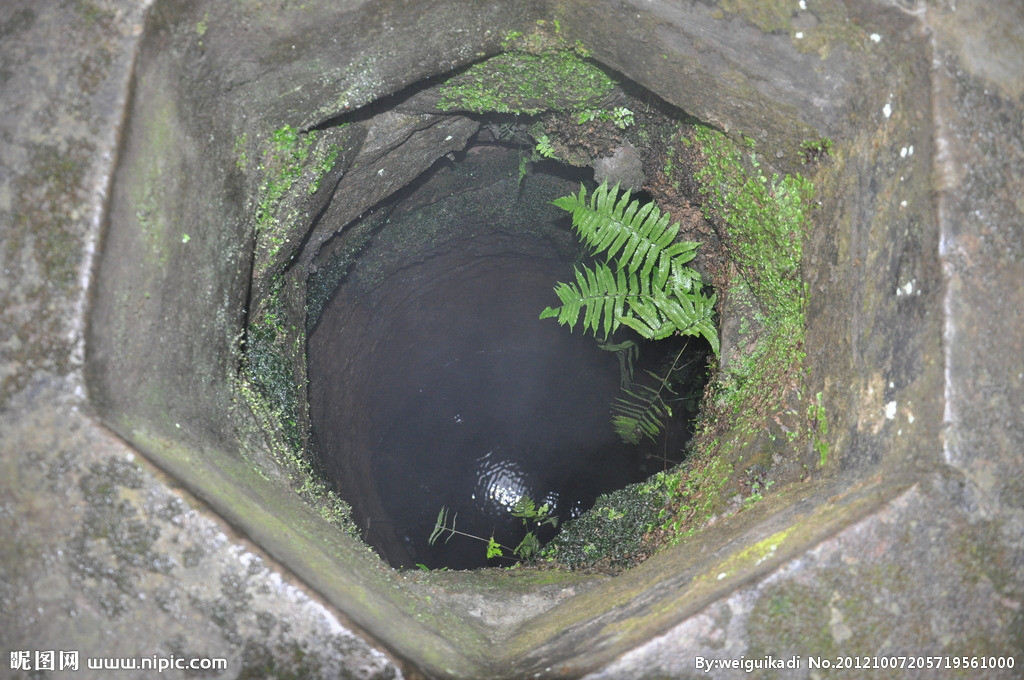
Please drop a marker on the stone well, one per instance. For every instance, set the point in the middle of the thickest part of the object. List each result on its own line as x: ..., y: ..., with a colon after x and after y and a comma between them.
x: 906, y: 542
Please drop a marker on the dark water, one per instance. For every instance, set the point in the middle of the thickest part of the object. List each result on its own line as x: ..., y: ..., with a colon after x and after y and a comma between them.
x: 466, y: 400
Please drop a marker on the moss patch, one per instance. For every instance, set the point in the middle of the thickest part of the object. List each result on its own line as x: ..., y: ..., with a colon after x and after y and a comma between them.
x: 538, y: 72
x: 291, y: 168
x: 764, y: 219
x: 613, y: 534
x: 42, y: 253
x: 519, y: 82
x: 292, y: 164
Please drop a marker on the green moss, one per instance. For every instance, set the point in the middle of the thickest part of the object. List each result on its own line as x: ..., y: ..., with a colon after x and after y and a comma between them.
x: 241, y: 158
x: 626, y: 526
x: 283, y: 164
x: 268, y: 366
x: 202, y: 25
x: 524, y: 83
x: 322, y: 283
x: 293, y: 164
x: 613, y: 532
x: 752, y: 555
x: 818, y: 420
x: 765, y: 217
x: 981, y: 554
x: 696, y: 497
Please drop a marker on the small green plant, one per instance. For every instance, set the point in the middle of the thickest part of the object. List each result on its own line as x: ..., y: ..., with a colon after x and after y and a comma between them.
x: 524, y: 169
x: 541, y: 150
x: 758, y: 489
x: 533, y: 516
x: 620, y: 116
x: 544, y: 148
x: 816, y: 150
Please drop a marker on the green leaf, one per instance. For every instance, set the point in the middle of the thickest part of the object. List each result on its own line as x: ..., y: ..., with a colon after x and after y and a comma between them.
x: 440, y: 526
x: 524, y: 508
x: 528, y: 547
x: 494, y: 549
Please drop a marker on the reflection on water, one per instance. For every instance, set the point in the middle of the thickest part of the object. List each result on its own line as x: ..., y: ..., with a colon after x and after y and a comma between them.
x: 500, y: 482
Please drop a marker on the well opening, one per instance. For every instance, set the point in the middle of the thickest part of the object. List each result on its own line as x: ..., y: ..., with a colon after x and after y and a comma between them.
x: 433, y: 383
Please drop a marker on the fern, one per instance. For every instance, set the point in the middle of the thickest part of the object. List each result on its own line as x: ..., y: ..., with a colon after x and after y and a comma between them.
x: 644, y: 283
x: 641, y: 413
x: 626, y: 231
x: 543, y: 148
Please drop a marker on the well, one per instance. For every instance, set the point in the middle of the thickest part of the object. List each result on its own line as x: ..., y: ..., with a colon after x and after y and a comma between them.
x: 182, y: 275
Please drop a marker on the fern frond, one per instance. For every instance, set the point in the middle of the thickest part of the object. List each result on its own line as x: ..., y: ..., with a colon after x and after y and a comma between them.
x: 641, y: 413
x: 608, y: 299
x: 600, y: 294
x: 659, y: 316
x: 632, y: 235
x: 643, y: 410
x: 528, y: 547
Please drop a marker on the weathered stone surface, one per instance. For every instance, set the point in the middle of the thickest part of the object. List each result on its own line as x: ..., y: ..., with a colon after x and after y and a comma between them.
x: 623, y: 167
x: 398, y: 149
x: 913, y: 539
x: 739, y: 65
x: 871, y: 590
x: 104, y: 557
x: 979, y: 175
